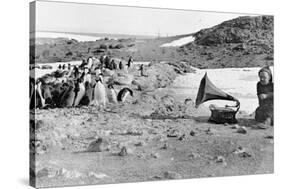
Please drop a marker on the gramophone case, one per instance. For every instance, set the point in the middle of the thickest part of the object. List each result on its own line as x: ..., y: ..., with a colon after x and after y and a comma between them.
x: 123, y: 94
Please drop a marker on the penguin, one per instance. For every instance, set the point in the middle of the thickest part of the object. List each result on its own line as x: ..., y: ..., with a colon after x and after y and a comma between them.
x: 89, y: 62
x: 123, y: 94
x: 130, y: 61
x: 97, y: 71
x: 32, y: 94
x: 56, y: 92
x: 99, y: 93
x: 80, y: 92
x: 142, y: 71
x: 112, y: 95
x: 43, y: 90
x: 88, y: 96
x: 75, y: 72
x: 68, y: 96
x: 120, y: 65
x: 63, y: 67
x: 100, y: 76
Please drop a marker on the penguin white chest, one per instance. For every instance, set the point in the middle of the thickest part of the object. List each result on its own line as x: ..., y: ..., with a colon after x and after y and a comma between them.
x: 127, y: 93
x: 100, y: 94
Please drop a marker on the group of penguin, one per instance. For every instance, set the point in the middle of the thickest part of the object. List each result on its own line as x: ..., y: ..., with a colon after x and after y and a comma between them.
x: 78, y: 86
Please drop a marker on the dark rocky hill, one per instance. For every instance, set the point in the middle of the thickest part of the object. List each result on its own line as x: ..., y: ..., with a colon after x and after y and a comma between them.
x: 241, y: 42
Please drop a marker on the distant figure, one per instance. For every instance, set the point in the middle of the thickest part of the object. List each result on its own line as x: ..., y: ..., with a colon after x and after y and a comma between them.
x: 121, y: 67
x: 130, y: 61
x: 112, y: 65
x: 264, y: 113
x: 142, y: 71
x: 59, y: 67
x: 63, y: 66
x: 76, y: 72
x: 106, y: 62
x: 69, y: 66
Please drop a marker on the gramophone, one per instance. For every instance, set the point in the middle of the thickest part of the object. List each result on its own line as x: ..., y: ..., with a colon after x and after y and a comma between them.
x: 208, y: 91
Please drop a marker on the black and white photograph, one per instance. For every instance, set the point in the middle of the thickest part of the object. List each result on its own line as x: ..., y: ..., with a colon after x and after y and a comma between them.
x: 123, y: 94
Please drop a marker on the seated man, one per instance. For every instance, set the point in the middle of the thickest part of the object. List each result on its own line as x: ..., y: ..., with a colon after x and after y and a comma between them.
x: 264, y: 113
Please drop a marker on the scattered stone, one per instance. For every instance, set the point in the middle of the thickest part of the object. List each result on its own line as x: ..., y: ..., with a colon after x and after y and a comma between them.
x: 220, y: 159
x: 172, y: 175
x: 182, y: 137
x: 260, y: 126
x: 165, y: 146
x: 123, y: 151
x: 39, y: 124
x: 152, y: 131
x: 240, y: 149
x: 173, y: 133
x: 95, y: 146
x: 226, y: 124
x: 242, y: 152
x: 68, y: 174
x: 208, y: 131
x: 97, y: 175
x: 235, y: 126
x: 133, y: 132
x: 194, y: 155
x: 90, y: 119
x: 242, y: 130
x: 42, y: 172
x: 140, y: 143
x: 192, y: 133
x: 155, y: 155
x: 269, y: 137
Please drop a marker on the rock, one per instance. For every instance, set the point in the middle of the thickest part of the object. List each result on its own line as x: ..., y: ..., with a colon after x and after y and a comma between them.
x: 182, y: 137
x: 123, y: 152
x: 97, y: 175
x: 220, y: 159
x: 235, y: 126
x: 242, y: 130
x: 95, y: 146
x: 164, y: 147
x: 134, y: 132
x: 240, y: 149
x: 90, y: 119
x: 208, y: 131
x: 155, y: 155
x: 192, y: 133
x: 173, y: 133
x: 172, y: 175
x: 125, y: 79
x: 42, y: 172
x: 269, y: 137
x: 194, y: 155
x: 140, y: 143
x: 39, y: 124
x: 68, y: 174
x: 244, y: 154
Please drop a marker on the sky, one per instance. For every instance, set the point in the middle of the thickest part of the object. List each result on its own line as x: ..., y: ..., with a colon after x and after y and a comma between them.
x: 92, y: 18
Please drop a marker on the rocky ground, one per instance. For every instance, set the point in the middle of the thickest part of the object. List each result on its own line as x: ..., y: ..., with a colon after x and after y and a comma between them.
x: 153, y: 136
x: 144, y: 141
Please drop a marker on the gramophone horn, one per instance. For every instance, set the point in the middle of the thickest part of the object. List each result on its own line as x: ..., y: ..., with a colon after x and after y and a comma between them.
x: 208, y: 91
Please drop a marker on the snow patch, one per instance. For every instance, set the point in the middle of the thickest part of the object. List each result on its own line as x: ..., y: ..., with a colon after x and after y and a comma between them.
x: 179, y: 42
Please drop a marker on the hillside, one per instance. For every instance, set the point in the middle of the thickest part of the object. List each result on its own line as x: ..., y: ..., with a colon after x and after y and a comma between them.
x: 241, y: 42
